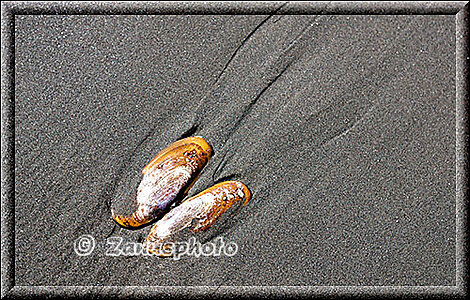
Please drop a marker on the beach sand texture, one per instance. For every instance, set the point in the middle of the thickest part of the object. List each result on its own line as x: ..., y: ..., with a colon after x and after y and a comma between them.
x: 343, y: 128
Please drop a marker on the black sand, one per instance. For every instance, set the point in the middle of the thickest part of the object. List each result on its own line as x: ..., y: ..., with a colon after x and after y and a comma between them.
x: 342, y: 126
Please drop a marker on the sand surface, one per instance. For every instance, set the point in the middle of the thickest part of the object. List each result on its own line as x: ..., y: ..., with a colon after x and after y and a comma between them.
x: 343, y: 127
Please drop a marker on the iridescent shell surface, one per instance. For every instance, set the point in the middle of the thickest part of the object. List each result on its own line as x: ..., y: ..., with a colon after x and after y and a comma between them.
x: 196, y: 214
x: 166, y: 179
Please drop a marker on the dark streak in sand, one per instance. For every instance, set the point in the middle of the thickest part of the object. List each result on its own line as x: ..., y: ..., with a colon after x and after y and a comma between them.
x: 343, y: 127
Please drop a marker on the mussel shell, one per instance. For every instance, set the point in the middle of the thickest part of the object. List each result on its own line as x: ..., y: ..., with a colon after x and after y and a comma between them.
x: 165, y: 180
x: 195, y: 214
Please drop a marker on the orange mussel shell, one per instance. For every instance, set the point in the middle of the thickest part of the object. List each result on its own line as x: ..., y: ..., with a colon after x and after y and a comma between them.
x: 196, y: 214
x: 165, y: 180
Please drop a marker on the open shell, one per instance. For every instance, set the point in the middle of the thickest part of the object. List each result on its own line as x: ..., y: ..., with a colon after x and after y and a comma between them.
x: 165, y: 180
x: 196, y: 214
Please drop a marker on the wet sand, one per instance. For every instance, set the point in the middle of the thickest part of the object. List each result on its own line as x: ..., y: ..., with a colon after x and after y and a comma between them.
x: 343, y: 127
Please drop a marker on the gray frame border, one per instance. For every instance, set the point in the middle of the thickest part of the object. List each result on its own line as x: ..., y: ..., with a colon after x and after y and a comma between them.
x: 10, y: 9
